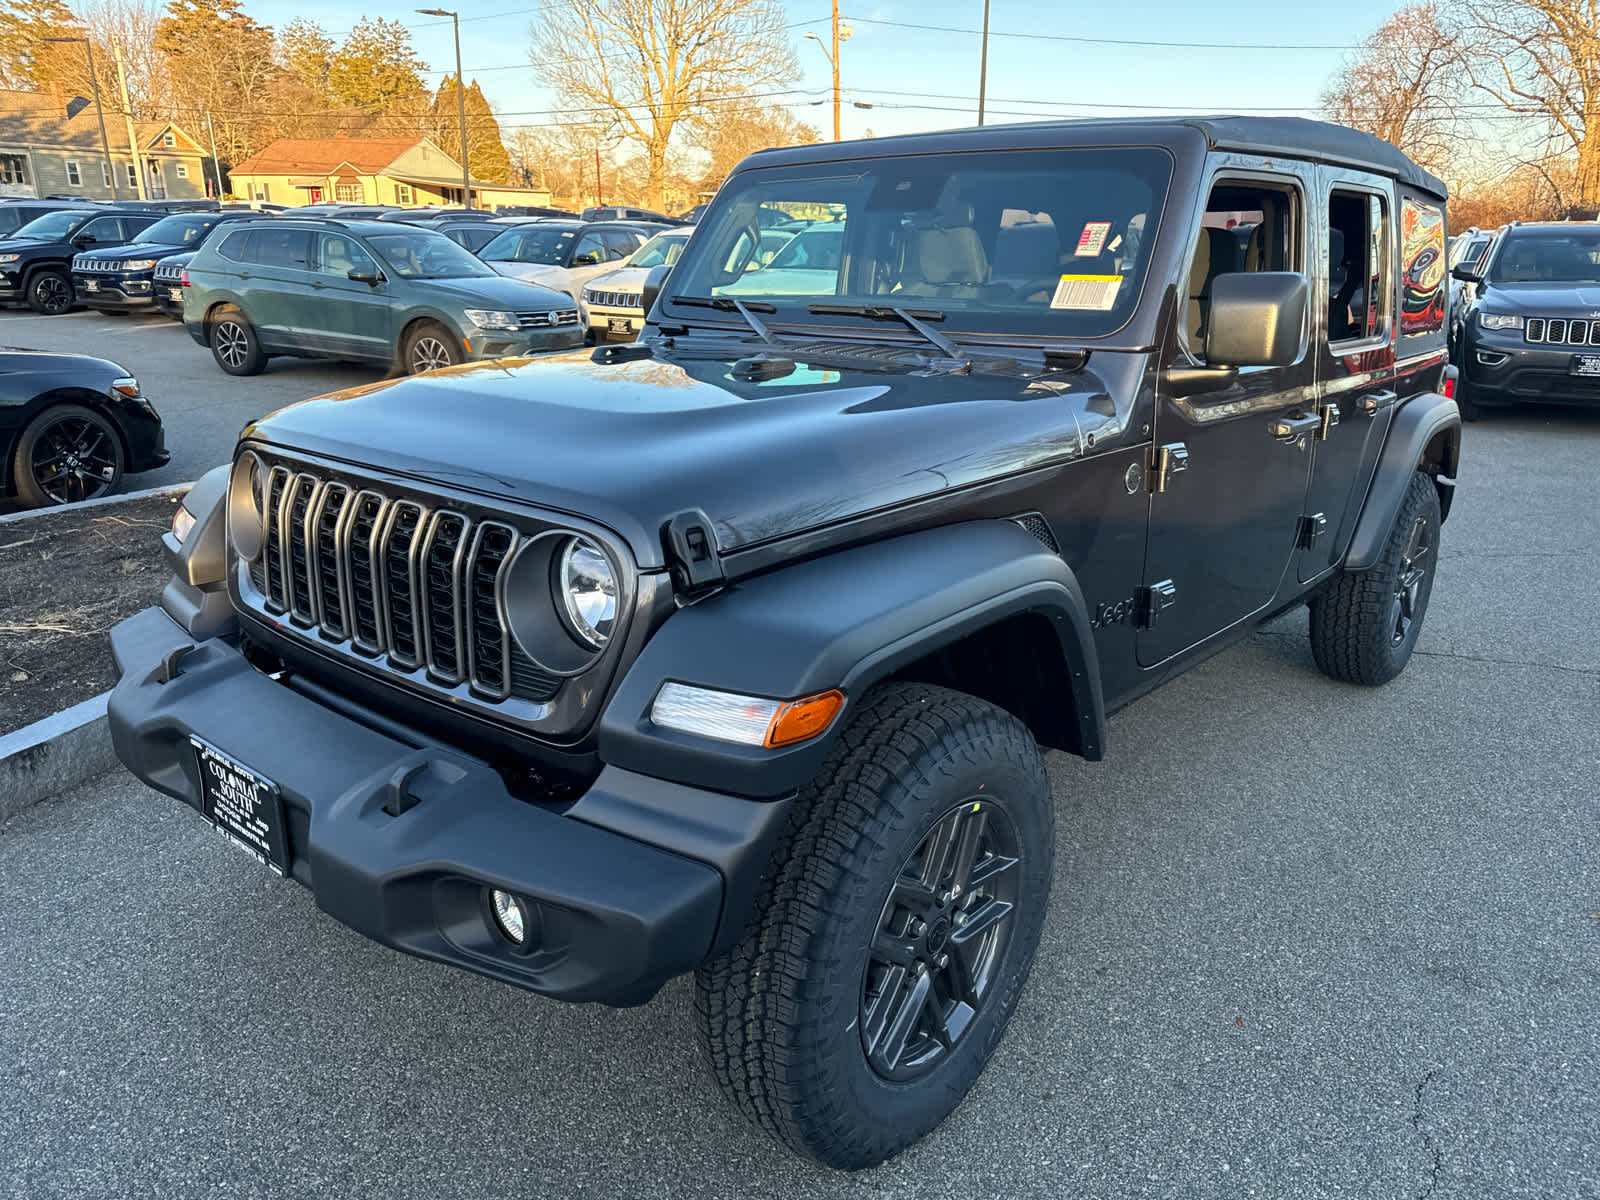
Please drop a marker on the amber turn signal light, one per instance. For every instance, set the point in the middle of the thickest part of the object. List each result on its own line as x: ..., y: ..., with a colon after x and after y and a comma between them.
x: 798, y: 720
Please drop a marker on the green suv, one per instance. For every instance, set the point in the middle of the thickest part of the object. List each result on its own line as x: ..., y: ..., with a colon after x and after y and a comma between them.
x: 370, y: 291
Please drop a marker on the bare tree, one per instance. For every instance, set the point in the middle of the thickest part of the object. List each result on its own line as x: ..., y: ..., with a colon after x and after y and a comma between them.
x: 734, y: 130
x: 1402, y: 85
x: 1542, y: 58
x: 647, y: 67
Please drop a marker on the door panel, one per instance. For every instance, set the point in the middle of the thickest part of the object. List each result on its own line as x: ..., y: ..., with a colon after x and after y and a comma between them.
x: 356, y: 317
x: 1223, y: 531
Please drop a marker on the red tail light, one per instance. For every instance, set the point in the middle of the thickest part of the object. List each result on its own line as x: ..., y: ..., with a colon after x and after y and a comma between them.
x: 1449, y: 388
x: 183, y: 280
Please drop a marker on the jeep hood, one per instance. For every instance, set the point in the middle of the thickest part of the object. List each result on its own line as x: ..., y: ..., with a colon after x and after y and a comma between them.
x: 633, y: 443
x: 135, y: 250
x: 1543, y: 299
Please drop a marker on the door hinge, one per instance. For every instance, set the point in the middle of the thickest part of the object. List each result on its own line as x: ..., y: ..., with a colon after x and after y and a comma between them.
x: 1167, y: 461
x: 1312, y: 526
x: 1154, y: 600
x: 692, y: 552
x: 1330, y: 418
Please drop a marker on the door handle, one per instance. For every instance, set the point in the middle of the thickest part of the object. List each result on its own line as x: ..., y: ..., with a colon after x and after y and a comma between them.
x: 318, y: 284
x: 1374, y: 403
x: 1294, y: 427
x: 244, y: 274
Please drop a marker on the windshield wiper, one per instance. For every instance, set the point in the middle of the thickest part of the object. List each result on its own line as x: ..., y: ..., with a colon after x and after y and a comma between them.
x: 729, y: 304
x: 889, y: 312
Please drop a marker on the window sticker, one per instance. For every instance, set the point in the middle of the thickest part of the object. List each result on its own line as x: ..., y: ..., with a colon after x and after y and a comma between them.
x: 1093, y: 239
x: 1096, y: 293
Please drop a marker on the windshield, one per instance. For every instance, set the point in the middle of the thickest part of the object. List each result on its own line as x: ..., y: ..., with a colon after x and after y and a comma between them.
x: 1032, y: 243
x: 424, y: 254
x: 1548, y: 256
x: 181, y: 230
x: 545, y: 245
x: 53, y: 226
x: 660, y: 251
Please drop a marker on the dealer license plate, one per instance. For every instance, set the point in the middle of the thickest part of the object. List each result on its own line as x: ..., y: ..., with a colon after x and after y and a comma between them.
x: 176, y: 294
x: 1586, y: 364
x: 91, y: 285
x: 622, y: 325
x: 246, y: 807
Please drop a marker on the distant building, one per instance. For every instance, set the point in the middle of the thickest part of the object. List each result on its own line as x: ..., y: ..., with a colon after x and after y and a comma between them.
x: 45, y: 152
x: 409, y: 172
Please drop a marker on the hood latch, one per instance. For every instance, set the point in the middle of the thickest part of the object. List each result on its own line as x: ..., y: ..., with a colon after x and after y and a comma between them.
x: 692, y: 552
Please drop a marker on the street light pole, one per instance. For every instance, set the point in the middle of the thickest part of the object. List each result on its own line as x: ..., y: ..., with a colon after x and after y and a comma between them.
x: 99, y: 109
x: 839, y: 35
x: 983, y: 63
x: 127, y: 116
x: 461, y: 101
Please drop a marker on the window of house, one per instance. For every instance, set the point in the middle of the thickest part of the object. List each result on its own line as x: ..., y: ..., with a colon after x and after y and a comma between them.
x: 168, y: 139
x: 133, y: 174
x: 403, y: 193
x: 347, y: 193
x: 105, y: 174
x: 13, y: 168
x: 1247, y: 226
x: 182, y: 169
x: 1358, y: 266
x: 261, y: 191
x: 75, y: 177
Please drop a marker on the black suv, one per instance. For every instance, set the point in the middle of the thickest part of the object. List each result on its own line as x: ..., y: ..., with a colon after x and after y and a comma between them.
x: 16, y: 213
x: 36, y: 261
x: 736, y: 650
x: 1530, y: 321
x: 121, y: 279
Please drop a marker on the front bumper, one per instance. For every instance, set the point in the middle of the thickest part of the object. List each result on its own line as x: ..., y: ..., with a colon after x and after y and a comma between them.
x: 617, y: 913
x: 112, y: 293
x: 1501, y: 366
x: 600, y: 320
x: 11, y: 287
x: 494, y: 343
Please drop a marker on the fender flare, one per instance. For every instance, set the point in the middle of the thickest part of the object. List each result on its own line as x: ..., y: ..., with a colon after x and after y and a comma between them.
x: 1415, y: 426
x: 846, y: 620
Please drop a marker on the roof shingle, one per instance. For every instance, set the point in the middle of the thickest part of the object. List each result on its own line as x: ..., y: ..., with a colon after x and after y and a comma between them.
x: 318, y: 156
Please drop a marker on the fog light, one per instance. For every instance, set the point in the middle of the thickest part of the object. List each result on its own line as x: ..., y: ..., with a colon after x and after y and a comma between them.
x: 508, y: 914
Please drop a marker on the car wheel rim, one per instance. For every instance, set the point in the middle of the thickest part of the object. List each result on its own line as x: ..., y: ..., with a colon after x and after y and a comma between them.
x: 73, y: 459
x: 429, y: 353
x: 1408, y: 588
x: 232, y: 345
x: 940, y: 941
x: 53, y: 292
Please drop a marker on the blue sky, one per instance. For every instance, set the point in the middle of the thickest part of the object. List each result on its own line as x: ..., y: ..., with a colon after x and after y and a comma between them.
x: 884, y: 60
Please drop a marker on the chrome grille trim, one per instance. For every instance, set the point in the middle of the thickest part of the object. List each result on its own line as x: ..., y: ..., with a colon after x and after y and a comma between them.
x: 299, y: 503
x: 358, y: 539
x: 440, y: 617
x: 397, y: 577
x: 1561, y: 331
x: 547, y: 320
x: 326, y: 553
x: 277, y: 488
x: 488, y: 648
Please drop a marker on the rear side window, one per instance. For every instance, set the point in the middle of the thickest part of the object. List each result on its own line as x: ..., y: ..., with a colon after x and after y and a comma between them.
x: 620, y: 243
x: 1358, y: 266
x: 290, y: 248
x: 233, y: 246
x: 1422, y: 268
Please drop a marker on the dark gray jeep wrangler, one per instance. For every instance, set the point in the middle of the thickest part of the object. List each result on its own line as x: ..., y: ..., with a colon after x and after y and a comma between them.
x: 736, y: 650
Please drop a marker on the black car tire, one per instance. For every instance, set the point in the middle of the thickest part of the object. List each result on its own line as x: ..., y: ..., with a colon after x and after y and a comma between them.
x: 50, y: 292
x: 1364, y: 624
x: 429, y: 346
x: 1466, y: 399
x: 234, y: 343
x: 785, y: 1017
x: 83, y: 445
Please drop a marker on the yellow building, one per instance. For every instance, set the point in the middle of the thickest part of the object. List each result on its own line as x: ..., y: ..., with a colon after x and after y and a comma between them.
x: 409, y: 172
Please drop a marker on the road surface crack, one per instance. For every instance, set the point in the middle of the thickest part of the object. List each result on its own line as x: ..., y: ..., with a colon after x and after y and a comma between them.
x: 1428, y: 1144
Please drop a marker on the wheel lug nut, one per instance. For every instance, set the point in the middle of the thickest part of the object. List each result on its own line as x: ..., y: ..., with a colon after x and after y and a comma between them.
x: 960, y: 919
x: 943, y: 961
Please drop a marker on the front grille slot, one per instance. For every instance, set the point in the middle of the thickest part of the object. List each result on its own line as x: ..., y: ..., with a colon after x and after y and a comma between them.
x: 1556, y: 332
x: 1535, y: 329
x: 397, y: 581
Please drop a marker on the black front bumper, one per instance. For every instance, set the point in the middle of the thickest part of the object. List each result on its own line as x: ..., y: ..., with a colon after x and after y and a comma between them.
x: 617, y: 913
x: 1501, y: 368
x: 113, y: 293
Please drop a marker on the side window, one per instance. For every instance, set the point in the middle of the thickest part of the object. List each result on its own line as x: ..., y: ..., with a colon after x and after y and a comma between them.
x: 339, y: 255
x: 233, y: 247
x: 620, y: 243
x: 104, y: 231
x: 1422, y: 268
x: 1246, y: 226
x: 289, y: 248
x: 1358, y: 266
x: 593, y: 243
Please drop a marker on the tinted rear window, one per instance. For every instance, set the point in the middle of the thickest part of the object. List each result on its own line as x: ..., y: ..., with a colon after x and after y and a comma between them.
x: 289, y: 248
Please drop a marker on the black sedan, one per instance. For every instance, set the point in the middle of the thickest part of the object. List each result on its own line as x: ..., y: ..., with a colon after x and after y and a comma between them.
x: 71, y: 427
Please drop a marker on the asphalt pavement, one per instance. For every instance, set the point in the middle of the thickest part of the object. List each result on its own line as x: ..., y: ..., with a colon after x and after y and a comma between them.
x: 1306, y: 940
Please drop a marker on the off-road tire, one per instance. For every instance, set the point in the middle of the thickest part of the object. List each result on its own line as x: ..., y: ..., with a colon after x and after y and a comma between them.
x: 779, y: 1016
x: 59, y: 431
x: 1364, y: 624
x: 428, y: 346
x: 234, y: 344
x: 50, y: 292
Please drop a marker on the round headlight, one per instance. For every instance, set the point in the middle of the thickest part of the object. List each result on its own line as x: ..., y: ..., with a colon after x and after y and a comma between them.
x: 588, y: 592
x: 247, y: 505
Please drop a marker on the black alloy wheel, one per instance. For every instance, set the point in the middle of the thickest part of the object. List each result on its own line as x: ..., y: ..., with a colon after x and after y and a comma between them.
x: 945, y: 926
x: 68, y: 453
x: 50, y: 293
x: 1414, y: 567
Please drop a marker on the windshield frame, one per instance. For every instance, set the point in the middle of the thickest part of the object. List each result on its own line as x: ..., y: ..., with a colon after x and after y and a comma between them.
x: 400, y: 233
x: 1512, y: 237
x: 1167, y: 170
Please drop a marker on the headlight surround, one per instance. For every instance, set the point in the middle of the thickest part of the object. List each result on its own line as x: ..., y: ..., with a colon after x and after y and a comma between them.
x: 182, y: 523
x: 247, y: 487
x: 9, y: 258
x: 139, y: 264
x: 1500, y: 320
x: 490, y: 318
x: 586, y: 592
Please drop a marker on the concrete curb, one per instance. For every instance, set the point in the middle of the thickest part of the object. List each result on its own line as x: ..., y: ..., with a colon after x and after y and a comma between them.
x: 118, y: 498
x: 54, y: 754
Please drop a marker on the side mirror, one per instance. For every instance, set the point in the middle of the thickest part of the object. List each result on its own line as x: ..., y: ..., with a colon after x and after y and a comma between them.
x: 653, y: 283
x: 83, y: 241
x: 362, y: 275
x: 1467, y: 275
x: 586, y: 260
x: 1257, y: 319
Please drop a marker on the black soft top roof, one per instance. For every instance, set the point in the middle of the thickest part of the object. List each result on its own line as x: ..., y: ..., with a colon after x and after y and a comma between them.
x: 1291, y: 137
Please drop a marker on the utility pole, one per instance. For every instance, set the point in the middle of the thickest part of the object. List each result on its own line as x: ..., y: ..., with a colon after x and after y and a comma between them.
x: 99, y: 109
x: 127, y: 116
x: 839, y: 35
x: 983, y: 63
x: 216, y: 163
x: 461, y: 101
x: 599, y: 180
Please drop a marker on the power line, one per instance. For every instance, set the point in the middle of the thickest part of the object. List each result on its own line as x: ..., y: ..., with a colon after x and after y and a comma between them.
x: 1094, y: 41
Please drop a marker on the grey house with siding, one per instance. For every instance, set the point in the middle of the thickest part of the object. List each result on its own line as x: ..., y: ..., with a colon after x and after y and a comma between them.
x: 45, y: 152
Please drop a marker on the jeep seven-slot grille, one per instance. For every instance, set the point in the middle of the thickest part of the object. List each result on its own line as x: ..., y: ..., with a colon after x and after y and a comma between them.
x: 1555, y: 331
x: 396, y: 580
